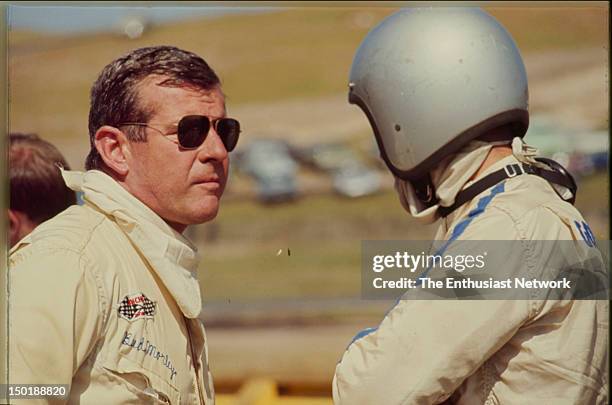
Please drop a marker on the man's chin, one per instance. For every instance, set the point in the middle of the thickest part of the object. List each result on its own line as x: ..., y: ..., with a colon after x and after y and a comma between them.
x: 203, y: 216
x: 183, y: 223
x: 182, y: 218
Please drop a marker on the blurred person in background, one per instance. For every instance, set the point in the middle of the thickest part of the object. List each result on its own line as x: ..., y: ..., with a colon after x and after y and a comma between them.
x: 112, y: 283
x: 445, y: 91
x: 37, y: 190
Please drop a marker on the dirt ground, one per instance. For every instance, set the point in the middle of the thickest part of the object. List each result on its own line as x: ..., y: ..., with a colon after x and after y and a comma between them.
x: 295, y: 342
x: 301, y: 359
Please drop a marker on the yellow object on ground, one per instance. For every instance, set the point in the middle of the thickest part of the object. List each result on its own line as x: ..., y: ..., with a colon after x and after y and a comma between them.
x: 263, y: 391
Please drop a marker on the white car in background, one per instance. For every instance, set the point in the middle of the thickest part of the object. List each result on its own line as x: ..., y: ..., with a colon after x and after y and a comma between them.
x: 356, y: 180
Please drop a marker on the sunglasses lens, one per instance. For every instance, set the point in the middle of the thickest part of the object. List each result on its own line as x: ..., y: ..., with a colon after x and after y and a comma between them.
x: 192, y: 130
x: 229, y: 130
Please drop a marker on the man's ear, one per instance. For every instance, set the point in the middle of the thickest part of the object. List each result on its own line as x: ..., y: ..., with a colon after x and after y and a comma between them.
x: 14, y: 227
x: 112, y: 145
x: 20, y: 225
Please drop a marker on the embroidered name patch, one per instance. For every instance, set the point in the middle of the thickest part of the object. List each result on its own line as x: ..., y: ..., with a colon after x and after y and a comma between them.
x: 150, y: 350
x: 136, y: 306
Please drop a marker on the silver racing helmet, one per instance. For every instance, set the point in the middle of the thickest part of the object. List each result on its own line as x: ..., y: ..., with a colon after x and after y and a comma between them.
x: 432, y: 79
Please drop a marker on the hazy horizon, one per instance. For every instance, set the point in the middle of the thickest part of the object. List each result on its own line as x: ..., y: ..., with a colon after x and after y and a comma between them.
x: 68, y: 19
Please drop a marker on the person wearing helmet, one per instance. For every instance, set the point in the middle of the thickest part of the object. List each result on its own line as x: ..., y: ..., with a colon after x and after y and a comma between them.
x: 445, y: 91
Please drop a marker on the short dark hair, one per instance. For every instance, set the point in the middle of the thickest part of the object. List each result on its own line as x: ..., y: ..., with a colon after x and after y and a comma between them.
x: 114, y: 95
x: 36, y: 185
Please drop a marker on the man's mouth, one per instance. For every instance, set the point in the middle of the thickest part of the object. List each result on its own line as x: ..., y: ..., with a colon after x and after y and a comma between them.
x: 210, y: 183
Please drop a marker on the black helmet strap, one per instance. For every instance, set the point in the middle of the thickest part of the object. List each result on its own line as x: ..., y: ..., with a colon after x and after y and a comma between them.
x: 557, y: 175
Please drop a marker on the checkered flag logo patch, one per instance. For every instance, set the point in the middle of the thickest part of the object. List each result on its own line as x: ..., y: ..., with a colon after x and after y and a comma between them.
x: 136, y: 306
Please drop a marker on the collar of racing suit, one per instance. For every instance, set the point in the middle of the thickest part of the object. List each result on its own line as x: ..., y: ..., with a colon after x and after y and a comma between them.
x: 172, y: 256
x: 449, y: 221
x: 448, y: 178
x: 453, y: 175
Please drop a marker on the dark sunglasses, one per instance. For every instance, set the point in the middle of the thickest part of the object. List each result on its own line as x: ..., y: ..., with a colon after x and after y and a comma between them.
x: 193, y: 129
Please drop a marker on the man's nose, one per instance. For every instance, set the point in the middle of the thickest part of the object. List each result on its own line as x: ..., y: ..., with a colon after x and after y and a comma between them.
x: 212, y: 148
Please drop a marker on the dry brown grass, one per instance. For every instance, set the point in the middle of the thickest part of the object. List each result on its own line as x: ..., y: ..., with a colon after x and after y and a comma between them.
x: 295, y: 53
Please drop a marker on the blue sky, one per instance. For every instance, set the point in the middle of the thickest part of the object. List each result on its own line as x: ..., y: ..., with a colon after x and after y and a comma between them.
x: 74, y: 19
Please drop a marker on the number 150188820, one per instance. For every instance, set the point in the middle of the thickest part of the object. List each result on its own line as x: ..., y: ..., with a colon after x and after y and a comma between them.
x: 32, y: 391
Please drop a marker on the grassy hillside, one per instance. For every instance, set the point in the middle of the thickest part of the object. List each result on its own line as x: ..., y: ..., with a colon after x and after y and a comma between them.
x: 292, y: 53
x: 323, y: 235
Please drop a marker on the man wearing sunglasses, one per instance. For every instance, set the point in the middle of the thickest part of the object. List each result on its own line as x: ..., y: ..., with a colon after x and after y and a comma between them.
x: 112, y: 284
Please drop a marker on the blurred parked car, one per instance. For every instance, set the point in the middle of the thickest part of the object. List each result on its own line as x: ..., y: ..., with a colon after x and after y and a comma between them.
x: 270, y: 163
x: 350, y: 176
x: 327, y: 156
x: 580, y: 152
x: 356, y: 180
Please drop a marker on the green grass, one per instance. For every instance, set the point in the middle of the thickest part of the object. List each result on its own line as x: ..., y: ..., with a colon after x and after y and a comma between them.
x: 317, y: 218
x: 323, y: 234
x: 329, y: 270
x: 593, y: 202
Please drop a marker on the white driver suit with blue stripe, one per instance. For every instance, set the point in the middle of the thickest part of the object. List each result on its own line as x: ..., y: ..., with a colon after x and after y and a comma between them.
x: 488, y: 351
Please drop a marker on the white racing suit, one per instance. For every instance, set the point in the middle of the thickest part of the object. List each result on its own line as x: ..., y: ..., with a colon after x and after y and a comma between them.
x: 104, y: 299
x: 488, y: 351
